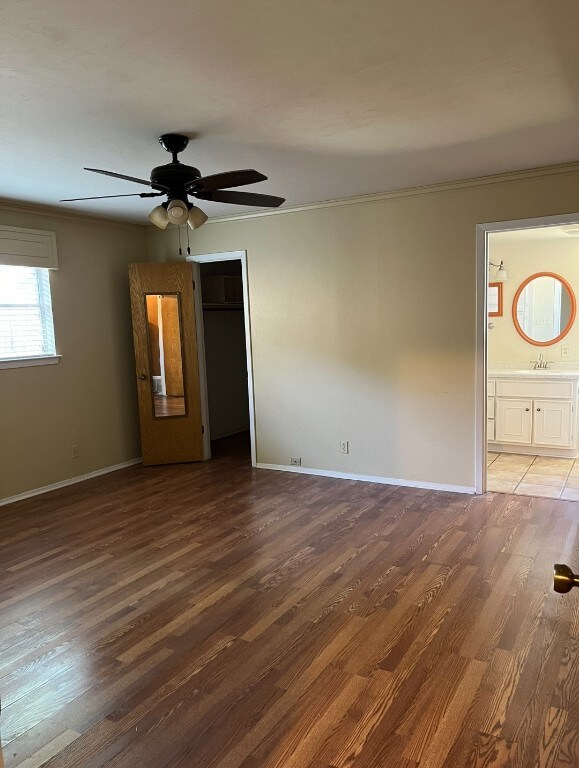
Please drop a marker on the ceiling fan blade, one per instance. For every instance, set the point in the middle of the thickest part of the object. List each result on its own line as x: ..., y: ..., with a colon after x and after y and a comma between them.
x: 226, y: 179
x: 127, y: 178
x: 102, y: 197
x: 243, y: 198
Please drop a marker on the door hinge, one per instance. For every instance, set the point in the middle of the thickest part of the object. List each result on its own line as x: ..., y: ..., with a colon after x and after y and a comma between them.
x: 202, y: 429
x: 193, y: 284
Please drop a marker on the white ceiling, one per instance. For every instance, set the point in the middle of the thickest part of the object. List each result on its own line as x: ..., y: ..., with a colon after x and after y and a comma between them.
x: 329, y: 98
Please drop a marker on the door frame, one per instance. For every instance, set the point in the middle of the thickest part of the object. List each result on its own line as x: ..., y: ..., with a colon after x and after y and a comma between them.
x: 482, y: 246
x: 208, y: 258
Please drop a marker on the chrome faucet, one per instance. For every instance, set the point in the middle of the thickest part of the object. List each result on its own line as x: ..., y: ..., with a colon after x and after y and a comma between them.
x: 541, y: 364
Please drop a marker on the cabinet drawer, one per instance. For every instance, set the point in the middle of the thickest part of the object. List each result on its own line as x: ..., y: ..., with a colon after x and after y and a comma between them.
x: 490, y: 429
x: 534, y: 388
x: 491, y: 387
x: 490, y: 407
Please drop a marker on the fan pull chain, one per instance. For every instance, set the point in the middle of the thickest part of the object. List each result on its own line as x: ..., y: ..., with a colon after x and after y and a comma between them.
x: 180, y: 250
x: 188, y: 248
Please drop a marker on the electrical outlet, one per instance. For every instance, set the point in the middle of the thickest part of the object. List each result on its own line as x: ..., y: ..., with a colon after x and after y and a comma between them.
x: 75, y: 452
x: 344, y: 446
x: 295, y: 462
x: 565, y: 351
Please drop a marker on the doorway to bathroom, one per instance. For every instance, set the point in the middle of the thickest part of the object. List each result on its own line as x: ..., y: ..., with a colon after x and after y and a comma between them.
x: 528, y: 358
x: 224, y: 349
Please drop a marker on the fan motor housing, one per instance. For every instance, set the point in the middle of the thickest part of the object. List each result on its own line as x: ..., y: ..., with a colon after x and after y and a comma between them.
x: 174, y: 175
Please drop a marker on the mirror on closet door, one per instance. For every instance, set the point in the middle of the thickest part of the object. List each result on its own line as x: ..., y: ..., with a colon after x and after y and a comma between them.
x: 165, y: 354
x: 544, y: 309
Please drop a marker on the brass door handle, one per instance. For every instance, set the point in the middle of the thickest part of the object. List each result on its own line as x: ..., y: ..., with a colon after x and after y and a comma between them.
x: 564, y: 579
x: 143, y: 376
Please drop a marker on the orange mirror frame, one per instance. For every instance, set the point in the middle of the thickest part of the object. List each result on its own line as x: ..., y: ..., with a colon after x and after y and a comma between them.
x: 569, y: 325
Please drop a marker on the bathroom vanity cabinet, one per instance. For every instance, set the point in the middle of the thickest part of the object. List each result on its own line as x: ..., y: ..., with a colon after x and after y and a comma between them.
x: 533, y: 412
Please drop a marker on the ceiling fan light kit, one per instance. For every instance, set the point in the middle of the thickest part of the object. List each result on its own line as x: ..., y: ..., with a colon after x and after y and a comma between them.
x: 178, y: 182
x: 196, y: 217
x: 159, y: 217
x: 177, y: 212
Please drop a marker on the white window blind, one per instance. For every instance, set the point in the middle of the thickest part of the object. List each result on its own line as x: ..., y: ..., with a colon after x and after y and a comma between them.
x: 26, y: 327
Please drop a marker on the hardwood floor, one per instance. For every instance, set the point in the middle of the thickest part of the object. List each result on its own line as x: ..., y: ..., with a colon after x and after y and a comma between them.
x: 169, y: 406
x: 215, y: 615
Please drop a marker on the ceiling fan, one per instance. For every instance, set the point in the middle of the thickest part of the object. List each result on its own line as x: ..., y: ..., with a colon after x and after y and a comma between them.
x: 178, y: 182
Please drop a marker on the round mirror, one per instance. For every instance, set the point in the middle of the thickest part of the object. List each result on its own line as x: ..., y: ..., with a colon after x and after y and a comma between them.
x: 544, y: 309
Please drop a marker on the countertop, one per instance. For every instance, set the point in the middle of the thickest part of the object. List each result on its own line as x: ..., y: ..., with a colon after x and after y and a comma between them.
x: 533, y: 374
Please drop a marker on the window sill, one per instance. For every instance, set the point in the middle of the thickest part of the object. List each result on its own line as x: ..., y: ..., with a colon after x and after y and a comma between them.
x: 27, y: 362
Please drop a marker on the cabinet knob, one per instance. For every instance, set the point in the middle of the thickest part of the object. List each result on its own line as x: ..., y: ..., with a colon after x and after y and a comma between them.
x: 538, y: 409
x: 143, y: 377
x: 527, y: 409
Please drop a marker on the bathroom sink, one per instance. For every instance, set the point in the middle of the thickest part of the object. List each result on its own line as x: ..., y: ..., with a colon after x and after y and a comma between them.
x: 535, y: 371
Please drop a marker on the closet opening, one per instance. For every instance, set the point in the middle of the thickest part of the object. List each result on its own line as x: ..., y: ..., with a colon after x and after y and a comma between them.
x: 224, y: 348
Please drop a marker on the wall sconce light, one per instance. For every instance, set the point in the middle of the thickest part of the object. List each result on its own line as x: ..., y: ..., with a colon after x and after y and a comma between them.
x: 501, y: 273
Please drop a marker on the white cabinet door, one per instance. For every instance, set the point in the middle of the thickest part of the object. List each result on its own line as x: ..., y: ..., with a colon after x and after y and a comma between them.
x: 553, y: 423
x: 513, y: 420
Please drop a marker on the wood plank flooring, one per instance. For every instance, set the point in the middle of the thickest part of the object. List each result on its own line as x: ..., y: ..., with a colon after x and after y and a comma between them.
x: 213, y: 615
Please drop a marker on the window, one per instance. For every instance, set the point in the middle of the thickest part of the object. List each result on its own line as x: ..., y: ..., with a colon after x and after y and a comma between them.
x: 26, y: 327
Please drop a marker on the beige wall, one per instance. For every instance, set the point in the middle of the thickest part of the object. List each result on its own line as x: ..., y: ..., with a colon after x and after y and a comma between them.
x: 363, y: 324
x: 88, y: 399
x: 523, y: 259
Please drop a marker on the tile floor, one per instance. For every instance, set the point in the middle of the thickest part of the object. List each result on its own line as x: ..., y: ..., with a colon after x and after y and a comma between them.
x: 552, y: 478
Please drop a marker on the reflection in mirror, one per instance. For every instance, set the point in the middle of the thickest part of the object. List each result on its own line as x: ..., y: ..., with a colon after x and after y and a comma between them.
x: 165, y: 354
x: 544, y: 309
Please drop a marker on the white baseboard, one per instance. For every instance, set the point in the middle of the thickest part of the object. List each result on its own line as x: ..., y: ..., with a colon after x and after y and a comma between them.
x: 70, y: 481
x: 369, y: 478
x: 276, y: 467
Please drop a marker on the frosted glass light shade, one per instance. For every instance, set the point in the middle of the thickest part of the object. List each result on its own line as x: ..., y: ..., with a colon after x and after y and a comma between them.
x: 501, y: 274
x: 177, y: 212
x: 196, y: 217
x: 158, y: 217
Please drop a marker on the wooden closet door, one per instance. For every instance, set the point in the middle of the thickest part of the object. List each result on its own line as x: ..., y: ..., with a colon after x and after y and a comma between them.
x: 167, y: 371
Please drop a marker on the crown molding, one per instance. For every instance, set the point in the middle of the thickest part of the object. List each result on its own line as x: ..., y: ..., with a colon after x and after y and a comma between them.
x: 56, y: 213
x: 530, y: 173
